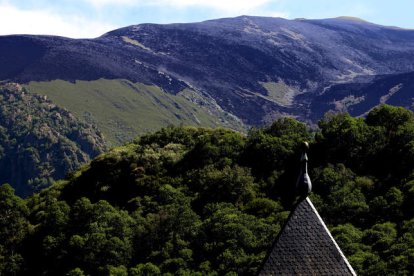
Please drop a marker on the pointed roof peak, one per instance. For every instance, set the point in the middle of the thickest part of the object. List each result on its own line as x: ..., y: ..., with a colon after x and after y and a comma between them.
x: 306, y: 247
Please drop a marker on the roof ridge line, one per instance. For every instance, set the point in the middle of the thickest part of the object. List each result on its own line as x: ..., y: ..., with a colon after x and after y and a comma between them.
x: 330, y: 235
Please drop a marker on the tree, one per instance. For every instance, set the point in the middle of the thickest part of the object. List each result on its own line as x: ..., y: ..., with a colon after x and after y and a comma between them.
x: 236, y: 240
x: 103, y: 236
x: 14, y: 227
x: 349, y: 238
x: 147, y: 269
x: 381, y: 236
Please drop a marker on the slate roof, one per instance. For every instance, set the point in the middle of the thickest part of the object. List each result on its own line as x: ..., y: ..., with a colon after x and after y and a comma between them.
x: 306, y: 247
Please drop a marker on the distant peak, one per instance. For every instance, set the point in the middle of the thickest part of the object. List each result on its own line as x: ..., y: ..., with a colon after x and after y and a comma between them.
x: 351, y: 18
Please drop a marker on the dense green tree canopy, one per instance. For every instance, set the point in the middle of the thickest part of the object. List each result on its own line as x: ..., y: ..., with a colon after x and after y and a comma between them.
x: 194, y: 201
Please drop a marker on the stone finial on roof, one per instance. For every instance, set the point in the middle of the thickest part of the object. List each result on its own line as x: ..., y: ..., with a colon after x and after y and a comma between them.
x: 303, y: 183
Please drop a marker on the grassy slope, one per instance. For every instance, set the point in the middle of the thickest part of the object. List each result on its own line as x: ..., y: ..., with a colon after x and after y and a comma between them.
x: 122, y: 109
x: 280, y: 92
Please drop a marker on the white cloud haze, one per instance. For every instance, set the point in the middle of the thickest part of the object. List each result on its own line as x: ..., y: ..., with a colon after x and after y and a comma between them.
x: 221, y: 5
x: 19, y: 21
x: 220, y: 8
x: 91, y: 18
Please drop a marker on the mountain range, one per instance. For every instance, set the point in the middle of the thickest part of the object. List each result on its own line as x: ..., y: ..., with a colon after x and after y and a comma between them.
x: 254, y: 68
x: 234, y: 72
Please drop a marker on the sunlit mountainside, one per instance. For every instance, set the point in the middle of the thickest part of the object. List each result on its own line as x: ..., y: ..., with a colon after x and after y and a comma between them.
x: 254, y: 68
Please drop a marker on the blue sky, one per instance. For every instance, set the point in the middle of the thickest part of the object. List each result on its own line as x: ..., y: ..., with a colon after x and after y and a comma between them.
x: 91, y: 18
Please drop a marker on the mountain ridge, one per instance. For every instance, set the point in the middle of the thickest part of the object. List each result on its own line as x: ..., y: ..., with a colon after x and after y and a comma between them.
x: 233, y: 61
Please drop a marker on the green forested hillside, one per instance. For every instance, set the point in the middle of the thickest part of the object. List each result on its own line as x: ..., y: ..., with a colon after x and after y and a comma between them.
x: 39, y: 141
x: 193, y: 201
x: 122, y: 109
